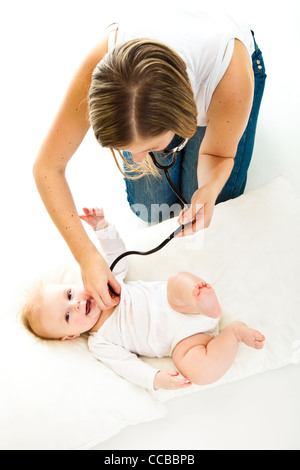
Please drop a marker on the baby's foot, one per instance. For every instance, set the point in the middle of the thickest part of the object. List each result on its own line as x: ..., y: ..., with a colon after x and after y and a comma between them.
x: 207, y: 299
x: 250, y: 337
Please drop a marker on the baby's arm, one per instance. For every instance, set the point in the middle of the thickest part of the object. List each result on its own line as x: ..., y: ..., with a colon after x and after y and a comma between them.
x: 110, y: 241
x: 125, y: 363
x: 129, y: 366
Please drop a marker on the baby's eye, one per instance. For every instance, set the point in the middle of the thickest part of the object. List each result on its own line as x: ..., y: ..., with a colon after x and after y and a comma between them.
x: 67, y: 317
x: 69, y: 294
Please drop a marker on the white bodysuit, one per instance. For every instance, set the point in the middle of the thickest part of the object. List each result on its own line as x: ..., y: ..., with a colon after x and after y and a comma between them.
x: 143, y: 324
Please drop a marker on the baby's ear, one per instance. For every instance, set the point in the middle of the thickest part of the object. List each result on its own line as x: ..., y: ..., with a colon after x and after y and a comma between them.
x: 69, y: 337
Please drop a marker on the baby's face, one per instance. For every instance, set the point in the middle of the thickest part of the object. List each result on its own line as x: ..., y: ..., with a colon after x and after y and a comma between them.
x: 67, y: 311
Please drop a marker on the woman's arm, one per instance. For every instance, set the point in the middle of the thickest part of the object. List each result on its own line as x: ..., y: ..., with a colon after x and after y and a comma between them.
x: 64, y: 137
x: 228, y: 115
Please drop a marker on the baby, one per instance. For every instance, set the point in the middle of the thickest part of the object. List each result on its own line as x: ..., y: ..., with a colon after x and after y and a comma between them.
x: 177, y: 318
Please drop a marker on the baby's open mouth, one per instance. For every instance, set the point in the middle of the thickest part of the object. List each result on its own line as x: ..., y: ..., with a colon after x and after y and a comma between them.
x: 88, y: 307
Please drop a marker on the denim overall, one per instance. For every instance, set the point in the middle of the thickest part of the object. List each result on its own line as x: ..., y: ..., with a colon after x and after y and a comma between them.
x: 151, y: 191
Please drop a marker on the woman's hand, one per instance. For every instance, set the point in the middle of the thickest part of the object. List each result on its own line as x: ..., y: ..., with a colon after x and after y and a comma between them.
x: 198, y: 216
x: 168, y: 380
x: 96, y: 276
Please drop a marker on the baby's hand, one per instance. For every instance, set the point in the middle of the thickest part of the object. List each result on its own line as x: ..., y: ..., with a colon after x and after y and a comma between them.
x: 94, y: 217
x: 168, y: 380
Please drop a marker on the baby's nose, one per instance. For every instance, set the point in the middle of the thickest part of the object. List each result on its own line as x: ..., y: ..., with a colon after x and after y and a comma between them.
x: 76, y: 305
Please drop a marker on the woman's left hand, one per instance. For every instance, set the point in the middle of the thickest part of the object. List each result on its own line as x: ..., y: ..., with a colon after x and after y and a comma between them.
x: 199, y: 214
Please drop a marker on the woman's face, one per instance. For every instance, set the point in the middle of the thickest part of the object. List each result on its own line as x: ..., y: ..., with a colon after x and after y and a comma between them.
x: 141, y: 147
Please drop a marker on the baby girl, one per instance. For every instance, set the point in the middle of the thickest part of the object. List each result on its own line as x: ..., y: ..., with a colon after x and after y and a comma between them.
x: 177, y: 318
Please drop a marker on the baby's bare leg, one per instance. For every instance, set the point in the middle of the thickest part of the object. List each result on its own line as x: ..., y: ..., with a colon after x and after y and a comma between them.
x: 204, y: 360
x: 188, y: 293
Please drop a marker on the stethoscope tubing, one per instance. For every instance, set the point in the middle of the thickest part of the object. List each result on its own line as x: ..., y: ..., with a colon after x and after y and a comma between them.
x: 173, y: 234
x: 149, y: 252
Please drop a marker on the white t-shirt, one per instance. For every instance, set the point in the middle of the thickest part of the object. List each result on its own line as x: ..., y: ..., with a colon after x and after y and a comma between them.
x: 143, y: 324
x: 203, y: 38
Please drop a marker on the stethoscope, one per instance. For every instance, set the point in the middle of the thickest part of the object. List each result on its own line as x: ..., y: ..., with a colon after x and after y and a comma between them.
x: 165, y: 169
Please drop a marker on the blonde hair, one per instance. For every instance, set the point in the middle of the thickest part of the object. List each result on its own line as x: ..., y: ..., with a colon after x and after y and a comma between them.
x: 140, y: 89
x: 29, y: 314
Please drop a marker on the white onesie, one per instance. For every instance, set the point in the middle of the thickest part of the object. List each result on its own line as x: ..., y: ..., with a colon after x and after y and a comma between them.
x: 142, y: 324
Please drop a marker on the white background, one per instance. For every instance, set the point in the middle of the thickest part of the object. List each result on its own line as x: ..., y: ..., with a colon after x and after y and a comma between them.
x: 42, y: 43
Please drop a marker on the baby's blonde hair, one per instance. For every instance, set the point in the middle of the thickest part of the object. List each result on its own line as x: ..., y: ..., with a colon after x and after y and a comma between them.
x: 29, y: 314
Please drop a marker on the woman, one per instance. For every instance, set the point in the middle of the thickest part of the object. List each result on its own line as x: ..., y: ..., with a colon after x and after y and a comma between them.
x: 186, y: 77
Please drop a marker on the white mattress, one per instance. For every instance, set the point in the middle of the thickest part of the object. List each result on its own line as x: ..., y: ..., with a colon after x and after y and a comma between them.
x: 259, y: 411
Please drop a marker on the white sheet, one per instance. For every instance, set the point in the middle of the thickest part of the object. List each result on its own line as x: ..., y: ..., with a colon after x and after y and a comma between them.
x: 251, y: 255
x: 254, y: 264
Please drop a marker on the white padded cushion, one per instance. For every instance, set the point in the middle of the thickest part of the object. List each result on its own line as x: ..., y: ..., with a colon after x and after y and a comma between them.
x: 55, y: 395
x: 251, y: 255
